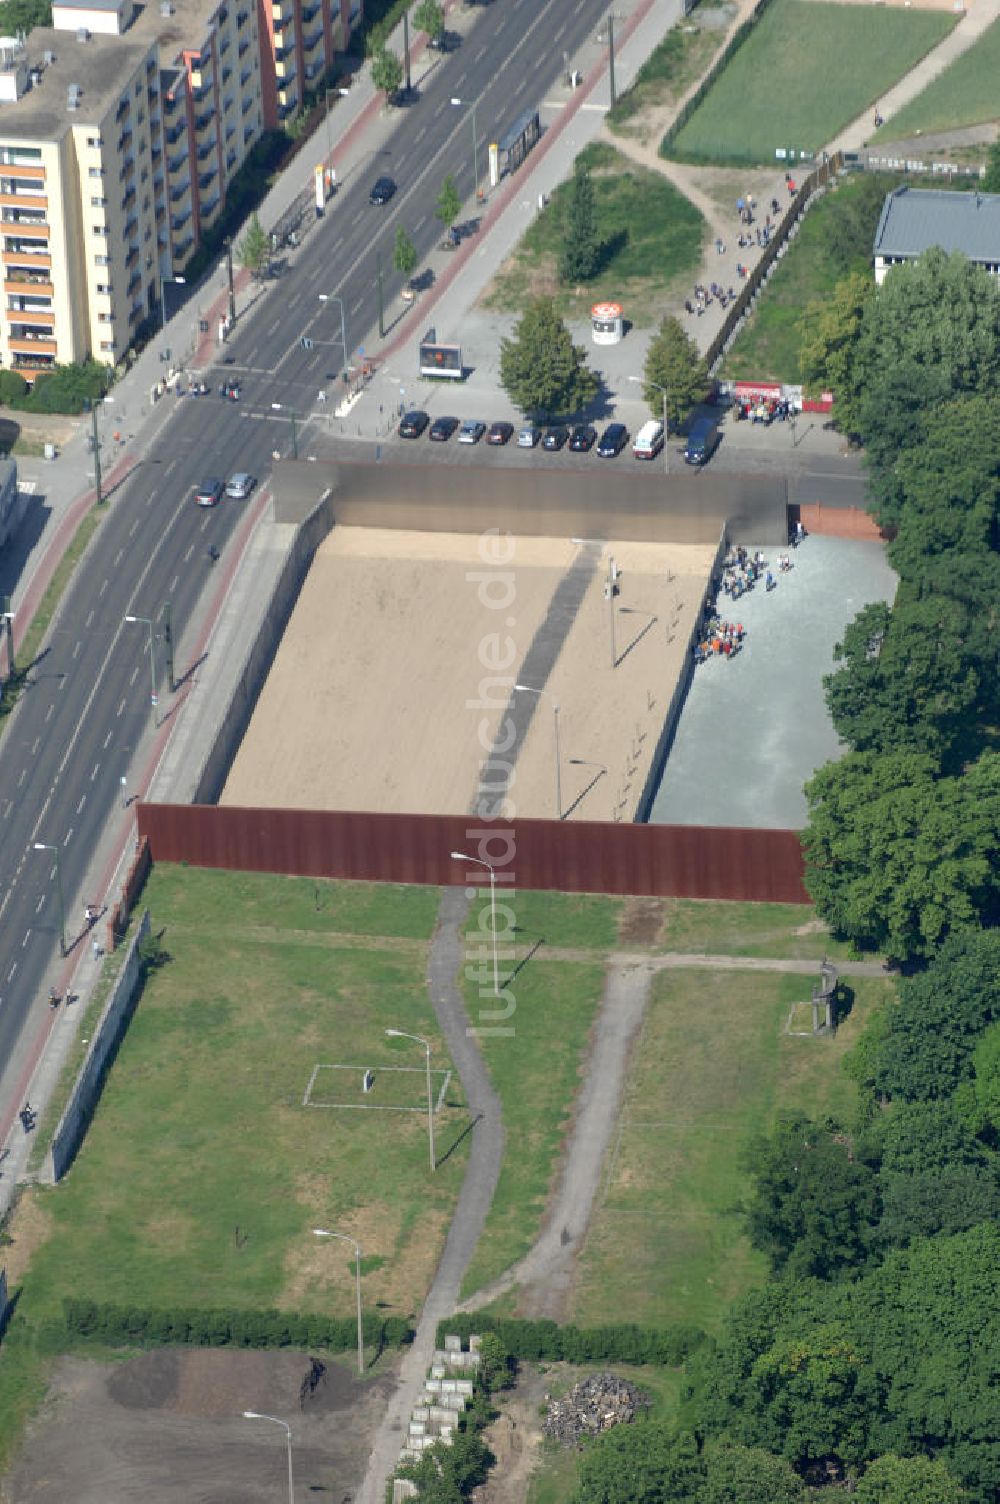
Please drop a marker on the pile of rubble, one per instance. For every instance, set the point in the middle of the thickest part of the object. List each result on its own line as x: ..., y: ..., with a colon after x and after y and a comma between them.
x: 595, y: 1404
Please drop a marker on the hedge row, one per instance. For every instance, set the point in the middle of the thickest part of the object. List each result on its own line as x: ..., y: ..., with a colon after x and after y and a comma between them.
x: 228, y: 1328
x: 533, y: 1340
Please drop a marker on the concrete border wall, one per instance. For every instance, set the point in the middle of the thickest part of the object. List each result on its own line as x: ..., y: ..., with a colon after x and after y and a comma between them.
x: 86, y: 1091
x: 315, y: 525
x: 4, y: 1302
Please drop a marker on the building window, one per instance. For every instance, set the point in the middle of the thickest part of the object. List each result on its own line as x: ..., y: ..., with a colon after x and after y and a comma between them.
x: 96, y: 172
x: 102, y: 260
x: 94, y: 141
x: 108, y: 345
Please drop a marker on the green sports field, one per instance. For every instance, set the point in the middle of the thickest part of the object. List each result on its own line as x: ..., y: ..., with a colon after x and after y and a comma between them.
x: 806, y: 70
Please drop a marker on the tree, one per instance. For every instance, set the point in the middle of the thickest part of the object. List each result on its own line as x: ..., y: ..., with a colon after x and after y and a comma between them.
x: 897, y: 857
x: 541, y: 370
x: 991, y: 182
x: 387, y: 72
x: 580, y: 250
x: 13, y: 388
x: 495, y: 1364
x: 644, y: 1463
x: 24, y: 15
x: 930, y: 333
x: 984, y: 1089
x: 812, y: 1209
x: 927, y: 1048
x: 907, y: 680
x: 448, y: 202
x: 908, y: 1480
x: 253, y: 251
x: 747, y: 1475
x: 674, y: 363
x: 429, y: 17
x: 830, y: 328
x: 404, y: 252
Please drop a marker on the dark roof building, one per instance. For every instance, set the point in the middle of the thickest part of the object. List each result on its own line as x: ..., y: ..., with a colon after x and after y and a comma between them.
x: 914, y: 219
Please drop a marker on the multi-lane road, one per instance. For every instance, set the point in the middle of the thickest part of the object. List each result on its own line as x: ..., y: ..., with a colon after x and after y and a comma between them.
x: 87, y: 707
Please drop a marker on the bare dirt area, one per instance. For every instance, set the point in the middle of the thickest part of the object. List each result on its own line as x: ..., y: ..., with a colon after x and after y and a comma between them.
x: 168, y: 1426
x: 410, y: 614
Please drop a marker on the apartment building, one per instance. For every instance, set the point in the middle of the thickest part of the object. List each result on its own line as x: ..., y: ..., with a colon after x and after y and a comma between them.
x: 121, y: 128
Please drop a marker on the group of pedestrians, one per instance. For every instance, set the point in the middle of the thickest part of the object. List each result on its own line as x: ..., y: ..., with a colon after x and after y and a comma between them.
x: 742, y: 571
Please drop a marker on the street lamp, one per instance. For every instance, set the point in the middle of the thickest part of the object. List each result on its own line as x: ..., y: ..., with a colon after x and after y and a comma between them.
x: 460, y: 856
x: 278, y: 407
x: 526, y: 689
x: 256, y: 1415
x: 179, y: 281
x: 643, y: 381
x: 7, y: 617
x: 458, y: 103
x: 44, y: 846
x: 145, y: 621
x: 324, y: 1232
x: 419, y: 1039
x: 328, y: 297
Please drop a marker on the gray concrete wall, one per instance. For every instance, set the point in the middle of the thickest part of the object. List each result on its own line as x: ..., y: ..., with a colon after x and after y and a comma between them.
x: 316, y: 522
x: 4, y: 1301
x: 642, y: 505
x: 13, y: 503
x: 86, y: 1092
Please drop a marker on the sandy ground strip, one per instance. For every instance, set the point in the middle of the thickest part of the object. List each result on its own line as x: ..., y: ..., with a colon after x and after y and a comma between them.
x: 380, y: 696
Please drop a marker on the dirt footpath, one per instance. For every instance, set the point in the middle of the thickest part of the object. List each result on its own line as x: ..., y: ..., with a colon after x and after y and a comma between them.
x: 168, y: 1427
x: 394, y: 672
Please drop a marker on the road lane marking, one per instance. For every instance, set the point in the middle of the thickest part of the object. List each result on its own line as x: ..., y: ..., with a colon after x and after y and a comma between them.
x: 48, y: 713
x: 24, y: 774
x: 135, y: 674
x: 34, y: 749
x: 97, y: 769
x: 103, y: 588
x: 118, y: 557
x: 12, y: 972
x: 188, y: 554
x: 27, y: 937
x: 173, y: 583
x: 83, y: 800
x: 77, y: 647
x: 90, y: 617
x: 39, y: 906
x: 69, y: 836
x: 482, y: 51
x: 108, y: 738
x: 121, y: 708
x: 357, y: 305
x: 131, y: 531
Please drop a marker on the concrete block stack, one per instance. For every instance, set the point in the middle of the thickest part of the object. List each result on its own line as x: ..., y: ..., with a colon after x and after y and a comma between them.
x: 448, y: 1389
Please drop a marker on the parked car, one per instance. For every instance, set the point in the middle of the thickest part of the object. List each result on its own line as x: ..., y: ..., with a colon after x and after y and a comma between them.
x: 703, y: 436
x: 240, y: 485
x: 648, y: 441
x: 499, y: 433
x: 442, y: 429
x: 412, y: 424
x: 555, y: 437
x: 582, y: 439
x: 209, y: 493
x: 528, y: 436
x: 612, y: 441
x: 382, y: 191
x: 471, y: 431
x: 443, y: 41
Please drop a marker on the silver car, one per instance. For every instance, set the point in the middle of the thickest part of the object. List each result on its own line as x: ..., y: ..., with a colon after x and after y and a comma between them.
x: 528, y: 437
x: 240, y: 485
x: 471, y: 431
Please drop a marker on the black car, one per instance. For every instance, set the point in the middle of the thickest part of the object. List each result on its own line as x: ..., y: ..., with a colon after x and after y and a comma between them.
x: 612, y: 441
x: 444, y: 41
x: 412, y: 424
x: 582, y: 438
x: 209, y: 493
x: 555, y: 437
x: 382, y: 191
x: 499, y: 433
x: 442, y: 429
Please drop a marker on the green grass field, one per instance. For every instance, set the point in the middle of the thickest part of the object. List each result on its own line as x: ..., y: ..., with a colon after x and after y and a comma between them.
x: 712, y: 1069
x: 203, y: 1171
x: 653, y: 233
x: 834, y: 238
x: 964, y: 94
x: 565, y: 921
x: 747, y: 929
x: 804, y: 72
x: 536, y: 1072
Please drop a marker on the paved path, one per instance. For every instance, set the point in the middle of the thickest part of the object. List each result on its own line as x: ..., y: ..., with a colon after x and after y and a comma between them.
x: 445, y: 960
x: 545, y: 1272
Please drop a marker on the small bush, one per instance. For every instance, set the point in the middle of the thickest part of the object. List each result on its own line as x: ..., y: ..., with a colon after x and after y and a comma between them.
x: 137, y: 1325
x: 536, y: 1341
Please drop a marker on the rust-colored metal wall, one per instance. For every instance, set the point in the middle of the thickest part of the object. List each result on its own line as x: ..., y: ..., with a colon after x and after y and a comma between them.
x: 670, y: 861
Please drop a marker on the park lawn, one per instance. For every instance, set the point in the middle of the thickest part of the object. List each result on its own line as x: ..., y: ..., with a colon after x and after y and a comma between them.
x: 806, y: 70
x: 711, y: 1071
x: 653, y: 236
x: 564, y: 921
x: 769, y: 344
x: 203, y: 1172
x: 692, y: 926
x: 536, y: 1071
x: 964, y: 94
x: 195, y: 896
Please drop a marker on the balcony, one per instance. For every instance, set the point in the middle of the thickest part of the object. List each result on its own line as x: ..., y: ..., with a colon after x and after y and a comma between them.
x: 247, y: 105
x: 32, y: 345
x: 181, y: 191
x: 122, y: 111
x: 244, y: 47
x: 26, y: 223
x: 16, y: 193
x: 32, y: 365
x: 179, y: 221
x: 16, y: 281
x: 31, y: 326
x: 309, y: 11
x: 27, y: 245
x: 204, y: 119
x: 124, y: 142
x: 313, y: 40
x: 206, y: 151
x: 207, y: 179
x: 134, y: 283
x: 245, y: 77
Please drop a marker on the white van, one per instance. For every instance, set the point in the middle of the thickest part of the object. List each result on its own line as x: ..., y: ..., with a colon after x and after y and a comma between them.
x: 648, y: 441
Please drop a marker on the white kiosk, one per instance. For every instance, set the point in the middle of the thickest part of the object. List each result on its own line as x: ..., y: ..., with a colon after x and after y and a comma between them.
x: 606, y: 324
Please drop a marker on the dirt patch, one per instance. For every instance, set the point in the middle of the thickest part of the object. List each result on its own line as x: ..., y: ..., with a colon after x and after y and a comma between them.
x: 28, y: 1228
x: 169, y: 1425
x: 515, y: 1439
x: 640, y: 922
